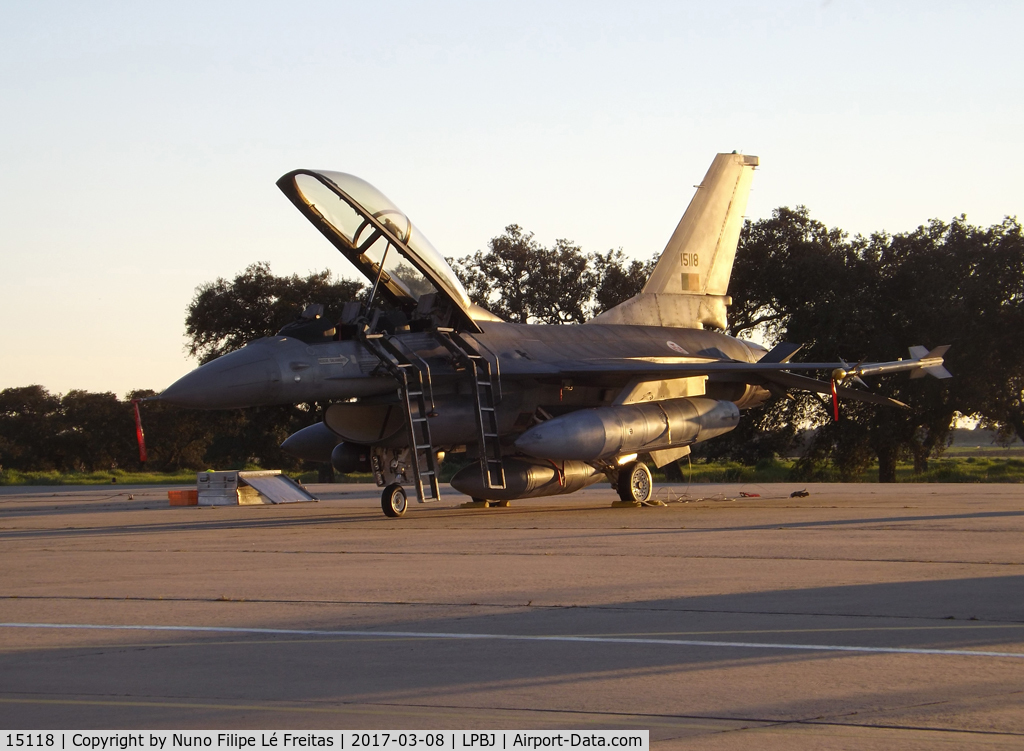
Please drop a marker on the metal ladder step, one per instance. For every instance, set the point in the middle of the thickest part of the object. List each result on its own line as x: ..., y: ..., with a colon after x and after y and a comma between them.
x: 413, y: 379
x: 484, y: 382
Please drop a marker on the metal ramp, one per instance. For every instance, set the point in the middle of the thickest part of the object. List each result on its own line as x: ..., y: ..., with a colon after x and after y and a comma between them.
x: 413, y: 375
x: 487, y: 394
x: 248, y: 488
x: 276, y: 487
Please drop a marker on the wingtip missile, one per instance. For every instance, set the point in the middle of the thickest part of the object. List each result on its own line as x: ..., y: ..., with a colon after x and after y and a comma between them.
x: 931, y: 362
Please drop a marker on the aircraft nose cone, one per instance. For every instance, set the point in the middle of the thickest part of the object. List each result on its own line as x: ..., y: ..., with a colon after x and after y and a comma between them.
x: 248, y: 377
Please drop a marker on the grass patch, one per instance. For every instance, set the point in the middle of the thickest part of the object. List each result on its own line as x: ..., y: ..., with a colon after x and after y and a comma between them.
x: 118, y: 477
x: 772, y: 470
x: 990, y: 452
x: 313, y: 477
x: 956, y: 469
x: 982, y: 469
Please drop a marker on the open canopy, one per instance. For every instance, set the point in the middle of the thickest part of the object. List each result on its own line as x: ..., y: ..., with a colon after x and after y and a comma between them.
x: 377, y: 237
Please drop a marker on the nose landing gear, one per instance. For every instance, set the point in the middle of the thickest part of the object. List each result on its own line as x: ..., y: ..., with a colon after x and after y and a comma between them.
x: 393, y: 501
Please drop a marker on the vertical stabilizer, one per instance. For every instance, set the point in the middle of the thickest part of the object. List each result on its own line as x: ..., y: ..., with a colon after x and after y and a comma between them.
x: 689, y: 284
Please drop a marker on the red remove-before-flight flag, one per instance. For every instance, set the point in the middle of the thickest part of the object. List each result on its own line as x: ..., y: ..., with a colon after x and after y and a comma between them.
x: 139, y: 435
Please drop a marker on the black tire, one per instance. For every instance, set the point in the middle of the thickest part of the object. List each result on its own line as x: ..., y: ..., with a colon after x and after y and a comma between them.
x: 635, y: 483
x: 393, y: 501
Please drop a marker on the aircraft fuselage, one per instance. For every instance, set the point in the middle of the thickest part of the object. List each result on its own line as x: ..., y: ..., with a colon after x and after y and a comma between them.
x: 531, y: 363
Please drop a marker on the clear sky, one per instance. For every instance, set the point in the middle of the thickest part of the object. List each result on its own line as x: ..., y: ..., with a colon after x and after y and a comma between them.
x: 140, y: 142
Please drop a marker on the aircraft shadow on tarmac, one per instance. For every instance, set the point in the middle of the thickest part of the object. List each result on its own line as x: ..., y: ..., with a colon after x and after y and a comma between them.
x: 407, y: 671
x: 974, y: 612
x: 198, y: 523
x: 871, y: 520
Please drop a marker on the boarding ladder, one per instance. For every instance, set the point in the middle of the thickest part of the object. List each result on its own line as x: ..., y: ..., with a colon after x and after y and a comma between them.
x: 415, y: 387
x: 486, y: 394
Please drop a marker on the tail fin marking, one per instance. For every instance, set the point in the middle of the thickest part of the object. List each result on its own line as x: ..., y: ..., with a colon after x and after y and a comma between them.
x: 699, y: 255
x: 688, y: 286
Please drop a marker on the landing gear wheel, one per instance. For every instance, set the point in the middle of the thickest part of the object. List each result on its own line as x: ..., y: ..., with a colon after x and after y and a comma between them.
x: 393, y: 501
x: 635, y: 483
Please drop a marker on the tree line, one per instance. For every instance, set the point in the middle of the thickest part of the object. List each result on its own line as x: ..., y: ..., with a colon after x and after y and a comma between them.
x: 856, y: 298
x: 869, y: 298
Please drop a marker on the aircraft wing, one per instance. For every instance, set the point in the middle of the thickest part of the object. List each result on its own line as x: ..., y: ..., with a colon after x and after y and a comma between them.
x: 678, y: 367
x: 770, y: 372
x: 803, y: 383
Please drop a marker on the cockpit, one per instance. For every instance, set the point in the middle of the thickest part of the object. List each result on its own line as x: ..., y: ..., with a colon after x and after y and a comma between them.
x: 403, y: 268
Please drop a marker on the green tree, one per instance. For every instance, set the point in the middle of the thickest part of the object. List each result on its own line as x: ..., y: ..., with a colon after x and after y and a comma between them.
x: 505, y: 279
x: 224, y: 315
x: 989, y: 274
x: 29, y: 420
x: 618, y: 278
x: 522, y: 281
x: 95, y: 432
x: 176, y: 438
x: 868, y: 299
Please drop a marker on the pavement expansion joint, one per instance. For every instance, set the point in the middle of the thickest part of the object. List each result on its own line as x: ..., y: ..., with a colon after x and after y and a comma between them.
x: 562, y: 638
x: 541, y: 553
x: 913, y: 728
x: 763, y: 721
x: 601, y: 713
x: 510, y: 606
x: 659, y: 719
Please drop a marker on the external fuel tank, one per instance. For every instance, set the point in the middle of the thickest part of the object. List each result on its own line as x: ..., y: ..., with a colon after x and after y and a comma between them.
x: 606, y: 432
x: 526, y: 477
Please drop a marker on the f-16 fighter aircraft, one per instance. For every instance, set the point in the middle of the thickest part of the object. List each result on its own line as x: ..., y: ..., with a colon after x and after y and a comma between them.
x: 416, y: 370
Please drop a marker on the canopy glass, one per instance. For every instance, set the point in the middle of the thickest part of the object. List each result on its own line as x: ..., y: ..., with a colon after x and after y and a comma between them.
x: 375, y: 235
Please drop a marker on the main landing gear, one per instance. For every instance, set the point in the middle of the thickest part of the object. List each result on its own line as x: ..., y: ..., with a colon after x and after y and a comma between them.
x: 393, y: 501
x: 635, y: 483
x: 635, y: 486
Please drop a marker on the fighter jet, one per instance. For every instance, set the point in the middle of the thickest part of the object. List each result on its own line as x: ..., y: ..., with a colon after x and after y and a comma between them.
x: 416, y: 370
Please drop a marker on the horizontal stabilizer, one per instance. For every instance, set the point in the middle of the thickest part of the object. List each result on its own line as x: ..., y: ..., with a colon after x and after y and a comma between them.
x: 782, y: 352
